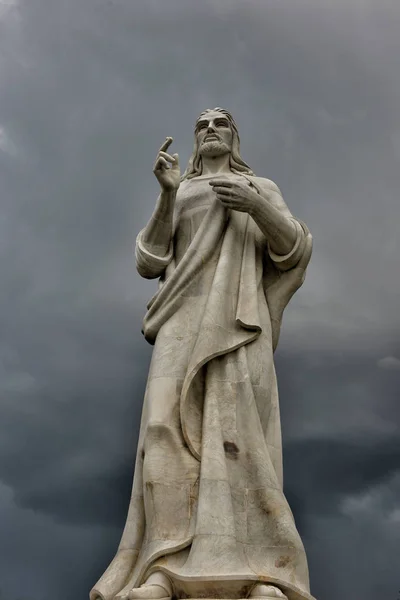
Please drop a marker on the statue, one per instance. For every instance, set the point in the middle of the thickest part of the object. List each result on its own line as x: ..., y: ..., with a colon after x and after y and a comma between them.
x: 208, y: 517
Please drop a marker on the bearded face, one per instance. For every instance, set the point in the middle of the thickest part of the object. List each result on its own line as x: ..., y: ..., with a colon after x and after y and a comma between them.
x: 214, y: 135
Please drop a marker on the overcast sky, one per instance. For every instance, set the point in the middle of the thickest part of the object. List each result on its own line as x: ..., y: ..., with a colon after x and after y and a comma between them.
x: 89, y: 89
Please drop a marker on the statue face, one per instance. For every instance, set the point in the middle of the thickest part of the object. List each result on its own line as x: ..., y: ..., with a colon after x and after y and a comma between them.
x: 214, y: 134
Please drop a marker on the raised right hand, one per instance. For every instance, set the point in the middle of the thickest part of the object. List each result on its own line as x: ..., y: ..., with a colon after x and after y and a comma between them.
x: 166, y: 168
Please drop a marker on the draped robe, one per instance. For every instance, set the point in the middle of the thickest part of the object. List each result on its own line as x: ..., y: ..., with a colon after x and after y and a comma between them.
x: 207, y: 505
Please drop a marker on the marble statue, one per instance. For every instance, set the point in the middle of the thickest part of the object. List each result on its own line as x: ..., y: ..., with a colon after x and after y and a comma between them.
x: 208, y: 517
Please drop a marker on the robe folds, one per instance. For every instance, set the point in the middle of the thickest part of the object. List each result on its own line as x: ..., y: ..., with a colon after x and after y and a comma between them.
x: 207, y: 505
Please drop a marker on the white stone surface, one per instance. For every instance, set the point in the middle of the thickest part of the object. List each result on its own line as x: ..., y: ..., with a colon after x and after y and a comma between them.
x: 208, y: 517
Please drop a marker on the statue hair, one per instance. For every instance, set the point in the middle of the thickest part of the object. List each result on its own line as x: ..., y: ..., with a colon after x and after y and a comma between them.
x: 236, y: 163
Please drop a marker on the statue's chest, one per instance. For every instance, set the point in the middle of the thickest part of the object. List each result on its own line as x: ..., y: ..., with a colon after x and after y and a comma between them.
x: 195, y: 196
x: 194, y: 199
x: 193, y: 203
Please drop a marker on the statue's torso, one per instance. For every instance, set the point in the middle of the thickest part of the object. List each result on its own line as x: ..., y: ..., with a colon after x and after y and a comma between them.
x: 193, y: 200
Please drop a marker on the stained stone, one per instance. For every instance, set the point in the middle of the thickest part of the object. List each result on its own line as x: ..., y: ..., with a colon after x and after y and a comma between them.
x: 208, y: 517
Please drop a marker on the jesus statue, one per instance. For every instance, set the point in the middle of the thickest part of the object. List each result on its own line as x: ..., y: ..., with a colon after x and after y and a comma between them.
x: 208, y: 517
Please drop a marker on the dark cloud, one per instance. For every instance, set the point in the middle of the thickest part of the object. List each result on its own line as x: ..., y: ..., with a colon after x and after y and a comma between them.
x: 325, y: 472
x: 88, y: 92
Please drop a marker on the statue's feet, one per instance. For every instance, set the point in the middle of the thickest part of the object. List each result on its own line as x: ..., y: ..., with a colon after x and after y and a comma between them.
x: 267, y: 592
x: 156, y: 587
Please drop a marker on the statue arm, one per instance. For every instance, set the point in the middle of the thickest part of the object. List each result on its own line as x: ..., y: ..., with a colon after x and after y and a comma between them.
x: 154, y: 247
x: 284, y: 233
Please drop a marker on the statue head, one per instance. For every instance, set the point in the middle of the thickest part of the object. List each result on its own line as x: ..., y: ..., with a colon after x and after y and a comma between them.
x: 216, y: 134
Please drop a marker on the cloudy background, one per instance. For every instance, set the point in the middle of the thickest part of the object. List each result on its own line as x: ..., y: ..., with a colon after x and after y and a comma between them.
x: 88, y: 91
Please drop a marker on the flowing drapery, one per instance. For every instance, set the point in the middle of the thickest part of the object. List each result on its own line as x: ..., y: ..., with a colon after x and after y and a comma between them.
x: 207, y: 504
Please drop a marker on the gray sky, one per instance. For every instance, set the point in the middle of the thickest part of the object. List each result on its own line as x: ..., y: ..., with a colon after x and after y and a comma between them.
x: 89, y: 89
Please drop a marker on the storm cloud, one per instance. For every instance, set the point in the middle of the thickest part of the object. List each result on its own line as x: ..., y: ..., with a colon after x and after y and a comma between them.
x: 88, y: 92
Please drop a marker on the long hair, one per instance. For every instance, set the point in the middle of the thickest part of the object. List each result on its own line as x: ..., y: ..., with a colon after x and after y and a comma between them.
x: 236, y: 163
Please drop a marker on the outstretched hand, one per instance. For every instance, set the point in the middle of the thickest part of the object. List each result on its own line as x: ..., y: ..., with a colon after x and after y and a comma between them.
x: 166, y: 168
x: 235, y: 195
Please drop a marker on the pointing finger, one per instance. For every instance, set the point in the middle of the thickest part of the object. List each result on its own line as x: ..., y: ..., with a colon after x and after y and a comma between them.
x: 166, y: 144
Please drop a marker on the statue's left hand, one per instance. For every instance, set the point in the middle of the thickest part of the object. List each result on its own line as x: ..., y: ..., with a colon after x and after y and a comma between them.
x: 236, y: 195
